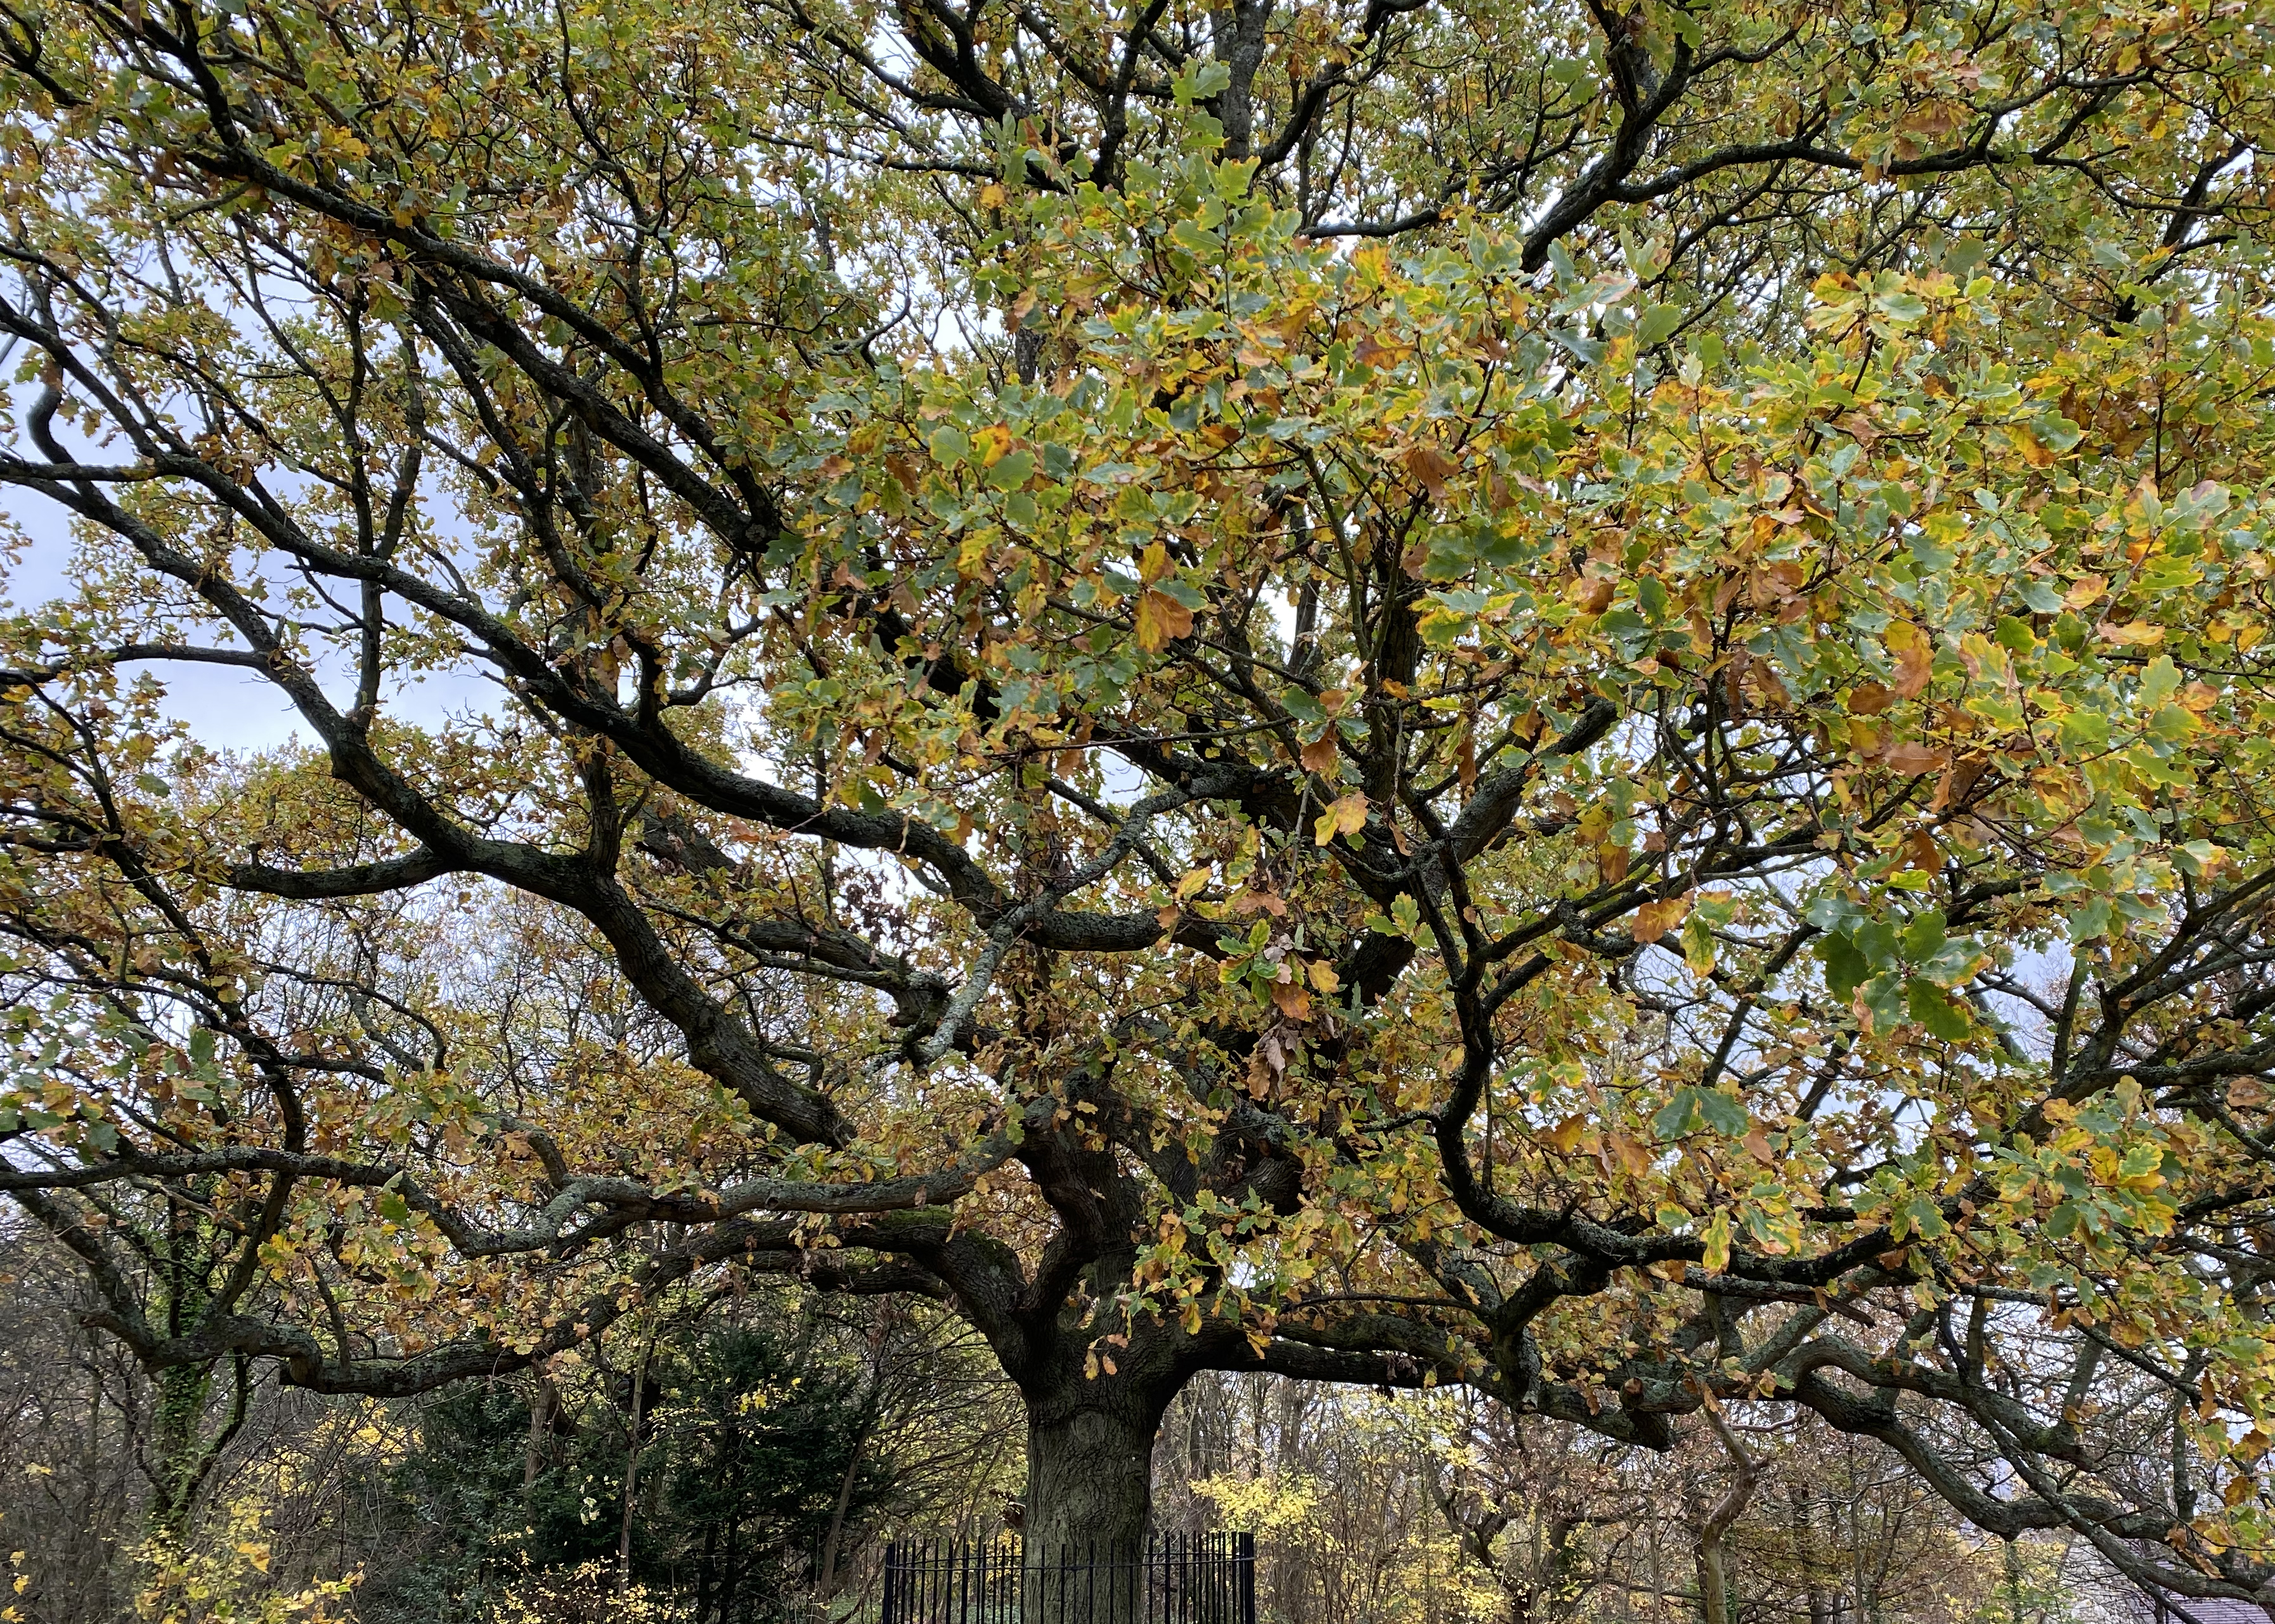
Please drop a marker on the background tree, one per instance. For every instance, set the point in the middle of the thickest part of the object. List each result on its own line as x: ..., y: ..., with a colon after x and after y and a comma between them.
x: 447, y: 1506
x: 1563, y: 803
x: 1448, y: 1508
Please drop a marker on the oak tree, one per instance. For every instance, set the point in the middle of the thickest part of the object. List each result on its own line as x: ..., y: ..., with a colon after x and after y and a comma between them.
x: 1537, y: 695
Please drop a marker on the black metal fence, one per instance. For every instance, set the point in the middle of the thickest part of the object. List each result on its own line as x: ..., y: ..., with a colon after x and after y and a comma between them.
x: 1174, y: 1579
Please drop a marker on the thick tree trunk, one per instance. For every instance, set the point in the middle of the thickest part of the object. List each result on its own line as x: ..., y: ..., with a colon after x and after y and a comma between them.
x: 179, y: 1446
x: 184, y: 1454
x: 1090, y: 1497
x: 1090, y: 1477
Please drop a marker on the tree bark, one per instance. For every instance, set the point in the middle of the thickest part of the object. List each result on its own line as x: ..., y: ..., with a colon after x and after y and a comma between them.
x: 1803, y: 1518
x: 1714, y: 1568
x: 631, y: 1480
x: 541, y: 1422
x: 827, y: 1584
x: 1089, y: 1498
x: 184, y: 1454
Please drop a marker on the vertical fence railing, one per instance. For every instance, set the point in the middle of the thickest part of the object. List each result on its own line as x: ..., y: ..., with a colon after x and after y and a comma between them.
x: 1172, y: 1579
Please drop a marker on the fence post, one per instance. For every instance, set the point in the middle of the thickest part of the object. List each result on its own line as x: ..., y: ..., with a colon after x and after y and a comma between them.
x: 1174, y: 1577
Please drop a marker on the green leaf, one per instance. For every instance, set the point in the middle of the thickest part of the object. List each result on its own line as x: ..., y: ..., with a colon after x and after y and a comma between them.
x: 1692, y: 1108
x: 1724, y: 1113
x: 1011, y: 469
x: 2090, y: 921
x: 2039, y: 596
x: 1924, y: 936
x: 1934, y: 1008
x: 2015, y: 636
x: 1680, y: 1116
x: 1903, y: 308
x: 1657, y: 323
x: 2084, y: 729
x: 2160, y: 681
x: 1845, y: 967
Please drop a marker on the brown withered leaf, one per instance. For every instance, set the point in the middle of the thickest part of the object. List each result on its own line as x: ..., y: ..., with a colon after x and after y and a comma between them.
x: 1294, y: 1000
x: 1912, y: 669
x: 1630, y: 1155
x: 1162, y: 621
x: 1958, y: 781
x: 1913, y: 758
x: 1431, y: 468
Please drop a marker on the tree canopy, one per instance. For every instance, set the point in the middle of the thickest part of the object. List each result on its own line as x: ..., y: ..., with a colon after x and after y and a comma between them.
x: 1517, y: 693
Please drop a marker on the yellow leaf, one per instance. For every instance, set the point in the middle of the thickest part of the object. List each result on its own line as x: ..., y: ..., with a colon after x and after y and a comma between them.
x: 1324, y: 978
x: 1565, y: 1134
x: 1347, y: 816
x: 1653, y: 920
